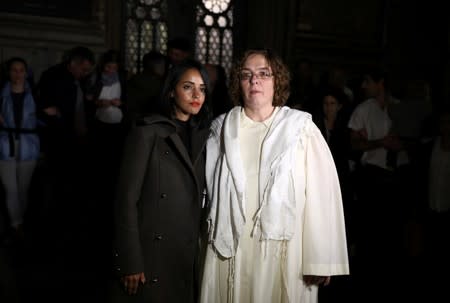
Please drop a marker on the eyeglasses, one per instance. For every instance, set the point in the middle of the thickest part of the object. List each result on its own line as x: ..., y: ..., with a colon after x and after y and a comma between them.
x: 262, y: 74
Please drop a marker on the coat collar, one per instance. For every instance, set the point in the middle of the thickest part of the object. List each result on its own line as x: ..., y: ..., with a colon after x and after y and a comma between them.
x: 198, y: 137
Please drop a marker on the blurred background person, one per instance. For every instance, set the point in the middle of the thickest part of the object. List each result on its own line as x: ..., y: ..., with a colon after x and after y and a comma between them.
x: 19, y: 142
x: 220, y: 98
x: 144, y: 88
x: 108, y: 126
x: 178, y: 49
x: 303, y: 86
x: 66, y: 176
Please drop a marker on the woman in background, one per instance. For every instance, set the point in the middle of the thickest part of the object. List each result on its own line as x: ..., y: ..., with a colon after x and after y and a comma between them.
x: 19, y: 142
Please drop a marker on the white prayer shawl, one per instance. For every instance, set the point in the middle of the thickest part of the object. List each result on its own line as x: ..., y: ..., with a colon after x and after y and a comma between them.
x: 226, y: 181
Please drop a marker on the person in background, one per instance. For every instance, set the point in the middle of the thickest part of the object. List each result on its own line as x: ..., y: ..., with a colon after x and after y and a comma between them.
x: 67, y: 156
x: 108, y: 127
x: 220, y: 98
x: 143, y: 89
x: 332, y: 123
x: 275, y: 214
x: 160, y: 191
x: 108, y: 90
x: 61, y: 94
x: 383, y: 183
x: 331, y: 119
x: 303, y: 87
x: 107, y: 95
x: 62, y: 108
x: 178, y: 49
x: 19, y: 142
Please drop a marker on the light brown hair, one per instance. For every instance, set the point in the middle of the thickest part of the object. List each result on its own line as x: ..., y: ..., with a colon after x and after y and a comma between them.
x: 281, y: 77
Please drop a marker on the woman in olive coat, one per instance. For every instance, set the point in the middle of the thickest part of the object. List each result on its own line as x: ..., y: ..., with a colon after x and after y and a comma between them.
x: 160, y: 193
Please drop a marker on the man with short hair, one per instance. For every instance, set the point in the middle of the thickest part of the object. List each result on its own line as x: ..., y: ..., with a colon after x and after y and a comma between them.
x: 60, y: 96
x: 383, y: 181
x: 62, y: 109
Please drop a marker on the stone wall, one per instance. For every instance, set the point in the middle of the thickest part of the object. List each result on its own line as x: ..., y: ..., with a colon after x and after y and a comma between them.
x: 41, y: 40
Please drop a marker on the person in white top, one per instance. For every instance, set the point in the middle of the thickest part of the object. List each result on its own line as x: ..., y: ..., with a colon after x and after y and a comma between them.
x: 275, y: 214
x: 382, y: 183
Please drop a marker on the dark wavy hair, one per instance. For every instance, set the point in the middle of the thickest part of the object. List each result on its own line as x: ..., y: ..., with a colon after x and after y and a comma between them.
x: 281, y: 77
x: 166, y: 103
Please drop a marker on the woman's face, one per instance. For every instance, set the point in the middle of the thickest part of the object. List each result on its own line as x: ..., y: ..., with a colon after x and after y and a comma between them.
x: 257, y: 82
x: 330, y: 106
x: 110, y: 68
x: 189, y: 94
x: 17, y: 73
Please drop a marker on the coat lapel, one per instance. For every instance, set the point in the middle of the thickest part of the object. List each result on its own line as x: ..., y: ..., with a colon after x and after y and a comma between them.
x: 198, y: 144
x: 176, y: 140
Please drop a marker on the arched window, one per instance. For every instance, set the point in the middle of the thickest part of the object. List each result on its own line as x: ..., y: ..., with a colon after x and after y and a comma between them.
x: 146, y: 29
x: 214, y: 36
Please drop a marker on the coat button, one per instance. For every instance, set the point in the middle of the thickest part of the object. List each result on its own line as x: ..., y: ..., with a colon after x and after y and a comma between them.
x: 163, y: 195
x: 158, y: 237
x: 166, y: 152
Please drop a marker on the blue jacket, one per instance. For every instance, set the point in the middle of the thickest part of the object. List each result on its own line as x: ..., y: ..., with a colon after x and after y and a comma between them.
x: 29, y: 144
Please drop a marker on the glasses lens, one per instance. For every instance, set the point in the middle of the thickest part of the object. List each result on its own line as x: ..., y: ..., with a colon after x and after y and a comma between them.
x: 258, y: 75
x: 246, y: 75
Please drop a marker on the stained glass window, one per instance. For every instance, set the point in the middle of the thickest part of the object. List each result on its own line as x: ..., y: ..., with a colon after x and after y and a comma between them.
x: 146, y: 30
x: 214, y: 36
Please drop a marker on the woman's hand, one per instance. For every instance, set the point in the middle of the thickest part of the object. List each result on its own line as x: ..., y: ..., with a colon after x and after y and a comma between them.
x: 316, y: 280
x: 131, y: 282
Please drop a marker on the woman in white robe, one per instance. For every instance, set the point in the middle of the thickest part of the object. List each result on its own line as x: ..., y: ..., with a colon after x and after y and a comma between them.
x: 276, y: 223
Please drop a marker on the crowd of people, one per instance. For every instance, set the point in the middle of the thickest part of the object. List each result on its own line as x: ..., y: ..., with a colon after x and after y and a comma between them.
x: 178, y: 185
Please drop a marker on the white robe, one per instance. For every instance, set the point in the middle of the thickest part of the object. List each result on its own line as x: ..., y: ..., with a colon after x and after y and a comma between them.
x: 272, y: 271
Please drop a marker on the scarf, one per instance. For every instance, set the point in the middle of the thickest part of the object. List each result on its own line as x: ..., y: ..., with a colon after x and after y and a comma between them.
x: 226, y: 179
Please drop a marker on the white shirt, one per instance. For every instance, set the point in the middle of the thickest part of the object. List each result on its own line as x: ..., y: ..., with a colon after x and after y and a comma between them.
x: 376, y: 122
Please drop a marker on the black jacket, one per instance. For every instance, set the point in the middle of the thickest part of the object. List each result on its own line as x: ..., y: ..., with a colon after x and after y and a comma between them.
x: 158, y: 210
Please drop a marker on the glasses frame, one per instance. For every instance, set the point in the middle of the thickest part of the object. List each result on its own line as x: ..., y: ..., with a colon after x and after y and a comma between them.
x: 248, y: 75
